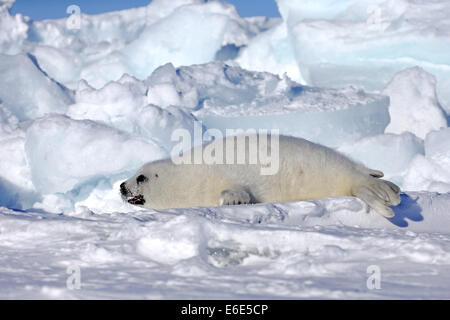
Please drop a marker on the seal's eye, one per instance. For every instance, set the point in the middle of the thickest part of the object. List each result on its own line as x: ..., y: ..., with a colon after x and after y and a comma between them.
x: 141, y: 178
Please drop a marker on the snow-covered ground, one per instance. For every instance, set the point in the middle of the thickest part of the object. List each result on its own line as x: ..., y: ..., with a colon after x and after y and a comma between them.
x: 313, y: 249
x: 84, y: 103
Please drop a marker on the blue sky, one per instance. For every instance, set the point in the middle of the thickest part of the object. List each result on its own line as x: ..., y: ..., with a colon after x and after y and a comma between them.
x: 52, y: 9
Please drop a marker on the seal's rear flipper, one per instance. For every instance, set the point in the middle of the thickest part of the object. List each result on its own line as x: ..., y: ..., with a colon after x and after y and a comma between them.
x: 233, y: 197
x: 379, y: 194
x: 393, y: 186
x: 376, y: 173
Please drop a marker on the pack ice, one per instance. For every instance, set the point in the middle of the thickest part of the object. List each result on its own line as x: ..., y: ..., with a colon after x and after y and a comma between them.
x: 81, y: 109
x: 356, y: 42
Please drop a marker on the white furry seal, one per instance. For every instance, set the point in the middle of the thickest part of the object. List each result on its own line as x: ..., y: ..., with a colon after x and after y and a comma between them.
x: 306, y: 171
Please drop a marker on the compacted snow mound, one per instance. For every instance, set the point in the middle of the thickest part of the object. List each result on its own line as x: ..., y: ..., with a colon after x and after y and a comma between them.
x: 16, y: 188
x: 437, y: 147
x: 431, y: 171
x: 126, y: 105
x: 27, y: 91
x: 414, y: 105
x: 14, y: 28
x: 390, y: 153
x: 271, y: 51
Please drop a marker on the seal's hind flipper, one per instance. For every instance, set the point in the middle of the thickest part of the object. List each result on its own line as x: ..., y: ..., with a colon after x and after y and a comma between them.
x: 379, y: 194
x: 393, y: 186
x: 376, y: 173
x: 233, y: 197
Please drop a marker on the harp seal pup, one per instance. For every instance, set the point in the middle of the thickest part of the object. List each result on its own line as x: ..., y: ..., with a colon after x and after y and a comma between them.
x: 306, y: 171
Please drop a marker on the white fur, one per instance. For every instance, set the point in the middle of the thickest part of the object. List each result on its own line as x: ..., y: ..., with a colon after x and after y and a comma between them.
x: 307, y: 171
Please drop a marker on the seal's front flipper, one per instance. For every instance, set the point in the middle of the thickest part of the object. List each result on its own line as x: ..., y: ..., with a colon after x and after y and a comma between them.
x: 233, y: 197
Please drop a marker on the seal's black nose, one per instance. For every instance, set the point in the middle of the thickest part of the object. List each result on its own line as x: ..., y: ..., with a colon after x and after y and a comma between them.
x: 123, y: 188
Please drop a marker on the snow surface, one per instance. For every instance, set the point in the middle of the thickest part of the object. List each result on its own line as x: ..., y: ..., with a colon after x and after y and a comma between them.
x: 311, y: 249
x: 82, y: 109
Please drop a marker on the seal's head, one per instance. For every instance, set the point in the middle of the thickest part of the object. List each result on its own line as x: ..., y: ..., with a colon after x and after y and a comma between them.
x: 132, y: 190
x: 153, y: 186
